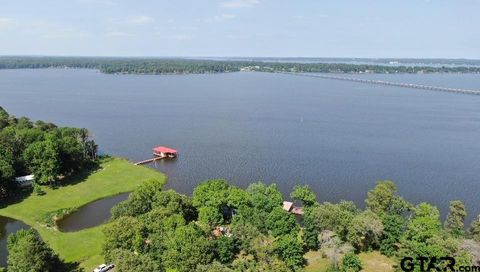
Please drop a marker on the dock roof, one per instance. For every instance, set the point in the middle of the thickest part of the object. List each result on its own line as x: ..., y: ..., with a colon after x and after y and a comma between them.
x: 164, y: 149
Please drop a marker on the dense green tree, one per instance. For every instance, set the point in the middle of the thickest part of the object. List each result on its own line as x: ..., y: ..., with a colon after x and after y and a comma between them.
x: 393, y: 228
x: 42, y: 149
x: 280, y: 222
x: 212, y: 193
x: 249, y: 264
x: 365, y: 231
x: 225, y: 249
x: 267, y: 238
x: 127, y: 261
x: 424, y: 237
x: 334, y: 217
x: 213, y: 267
x: 238, y: 197
x: 455, y: 222
x: 174, y: 202
x: 28, y: 253
x: 474, y: 230
x: 304, y: 194
x: 351, y: 263
x: 425, y: 223
x: 265, y: 197
x: 124, y: 233
x: 7, y: 172
x: 383, y: 199
x: 245, y: 233
x: 210, y: 216
x: 141, y: 200
x: 43, y: 160
x: 290, y: 250
x: 24, y: 123
x: 186, y: 248
x: 249, y: 215
x: 4, y: 117
x: 311, y: 230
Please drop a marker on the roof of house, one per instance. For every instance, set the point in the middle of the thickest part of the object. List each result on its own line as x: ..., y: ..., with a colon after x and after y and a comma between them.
x: 164, y: 149
x: 287, y: 205
x: 25, y: 178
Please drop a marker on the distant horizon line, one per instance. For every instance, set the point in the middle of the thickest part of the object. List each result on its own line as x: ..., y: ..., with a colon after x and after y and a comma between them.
x: 239, y: 57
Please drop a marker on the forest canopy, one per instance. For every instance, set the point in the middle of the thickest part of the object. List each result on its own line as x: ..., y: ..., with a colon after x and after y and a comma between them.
x: 43, y: 149
x: 226, y: 228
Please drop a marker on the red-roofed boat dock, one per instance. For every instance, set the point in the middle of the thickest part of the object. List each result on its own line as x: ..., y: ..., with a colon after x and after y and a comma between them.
x: 160, y: 152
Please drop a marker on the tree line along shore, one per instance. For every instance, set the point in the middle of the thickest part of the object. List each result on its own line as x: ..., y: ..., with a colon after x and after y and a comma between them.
x: 111, y: 65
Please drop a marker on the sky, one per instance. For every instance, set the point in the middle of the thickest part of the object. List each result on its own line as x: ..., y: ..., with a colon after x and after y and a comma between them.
x: 242, y: 28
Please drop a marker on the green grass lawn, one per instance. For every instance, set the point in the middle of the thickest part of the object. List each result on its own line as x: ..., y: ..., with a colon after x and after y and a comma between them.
x: 374, y: 261
x: 371, y: 262
x: 114, y: 176
x: 315, y: 262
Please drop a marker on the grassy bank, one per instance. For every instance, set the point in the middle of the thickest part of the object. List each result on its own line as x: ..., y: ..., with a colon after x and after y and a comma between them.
x: 371, y: 262
x: 113, y: 177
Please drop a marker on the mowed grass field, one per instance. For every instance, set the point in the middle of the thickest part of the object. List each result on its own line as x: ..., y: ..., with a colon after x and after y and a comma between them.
x: 114, y: 176
x: 371, y: 262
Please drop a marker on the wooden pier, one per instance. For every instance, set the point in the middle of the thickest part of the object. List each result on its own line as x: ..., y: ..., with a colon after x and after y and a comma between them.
x: 150, y: 160
x: 160, y: 152
x: 388, y: 83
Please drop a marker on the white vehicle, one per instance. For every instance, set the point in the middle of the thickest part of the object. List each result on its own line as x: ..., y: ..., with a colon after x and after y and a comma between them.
x: 103, y: 268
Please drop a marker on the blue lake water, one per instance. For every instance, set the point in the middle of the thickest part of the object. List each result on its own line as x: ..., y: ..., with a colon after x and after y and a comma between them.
x: 338, y: 137
x: 8, y: 226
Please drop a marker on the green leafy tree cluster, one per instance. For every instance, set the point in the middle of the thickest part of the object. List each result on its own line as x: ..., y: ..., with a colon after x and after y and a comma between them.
x: 351, y: 263
x: 365, y: 231
x: 42, y: 149
x: 474, y: 230
x: 334, y: 217
x: 424, y: 236
x: 394, y: 226
x: 455, y: 222
x: 280, y: 222
x: 383, y: 199
x: 289, y: 248
x: 27, y: 252
x: 304, y: 194
x: 128, y: 261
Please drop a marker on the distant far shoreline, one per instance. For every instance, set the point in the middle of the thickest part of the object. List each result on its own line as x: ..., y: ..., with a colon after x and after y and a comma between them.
x: 158, y: 66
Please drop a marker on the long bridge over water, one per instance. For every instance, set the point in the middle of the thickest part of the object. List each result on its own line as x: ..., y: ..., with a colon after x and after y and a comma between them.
x: 388, y: 83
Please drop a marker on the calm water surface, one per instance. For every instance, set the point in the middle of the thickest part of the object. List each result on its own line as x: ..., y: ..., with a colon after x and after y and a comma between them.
x: 338, y: 137
x: 8, y: 226
x: 90, y: 215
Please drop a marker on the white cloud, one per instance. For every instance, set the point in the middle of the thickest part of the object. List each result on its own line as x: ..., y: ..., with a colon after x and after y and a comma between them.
x: 132, y: 20
x: 99, y: 2
x: 52, y: 30
x: 318, y: 16
x: 6, y: 22
x: 221, y: 18
x: 139, y: 20
x: 180, y: 37
x: 65, y: 33
x: 239, y: 3
x: 117, y: 34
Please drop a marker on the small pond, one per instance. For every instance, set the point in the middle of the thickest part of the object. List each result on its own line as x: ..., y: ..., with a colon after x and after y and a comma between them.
x: 7, y: 227
x: 92, y: 214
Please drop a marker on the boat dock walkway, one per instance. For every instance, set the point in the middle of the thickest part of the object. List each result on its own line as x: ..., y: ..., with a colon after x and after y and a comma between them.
x: 160, y: 152
x: 150, y: 160
x: 388, y: 83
